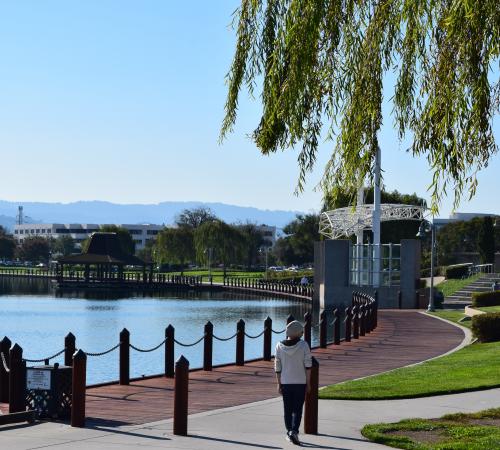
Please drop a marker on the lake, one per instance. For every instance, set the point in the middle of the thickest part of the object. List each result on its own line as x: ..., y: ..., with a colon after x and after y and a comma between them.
x: 32, y: 315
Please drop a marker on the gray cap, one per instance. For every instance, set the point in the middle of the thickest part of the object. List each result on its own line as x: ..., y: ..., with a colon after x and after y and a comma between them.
x: 294, y: 329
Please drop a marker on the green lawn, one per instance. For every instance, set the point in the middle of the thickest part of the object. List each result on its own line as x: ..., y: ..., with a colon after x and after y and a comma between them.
x: 218, y: 275
x: 490, y: 309
x: 454, y: 431
x: 474, y: 367
x: 449, y: 287
x: 453, y: 315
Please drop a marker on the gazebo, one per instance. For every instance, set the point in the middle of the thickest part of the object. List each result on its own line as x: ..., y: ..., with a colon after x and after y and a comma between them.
x: 103, y: 261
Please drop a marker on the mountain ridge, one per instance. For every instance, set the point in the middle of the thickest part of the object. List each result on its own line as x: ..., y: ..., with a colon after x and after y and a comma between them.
x: 100, y: 211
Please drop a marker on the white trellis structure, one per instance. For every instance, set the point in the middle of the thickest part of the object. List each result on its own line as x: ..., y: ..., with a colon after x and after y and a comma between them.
x: 344, y: 222
x: 369, y: 264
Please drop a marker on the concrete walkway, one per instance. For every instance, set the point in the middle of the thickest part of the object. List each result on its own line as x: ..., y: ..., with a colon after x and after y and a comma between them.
x: 258, y: 425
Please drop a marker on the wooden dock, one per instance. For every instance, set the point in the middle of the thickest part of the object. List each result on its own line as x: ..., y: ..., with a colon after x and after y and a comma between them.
x: 402, y: 338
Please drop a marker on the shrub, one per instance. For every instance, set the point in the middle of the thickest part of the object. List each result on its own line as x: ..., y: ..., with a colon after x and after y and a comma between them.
x: 457, y: 272
x: 486, y: 327
x: 480, y: 299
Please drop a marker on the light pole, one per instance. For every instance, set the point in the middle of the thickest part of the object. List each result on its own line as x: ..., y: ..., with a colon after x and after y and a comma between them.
x: 266, y: 251
x: 424, y: 228
x: 209, y: 251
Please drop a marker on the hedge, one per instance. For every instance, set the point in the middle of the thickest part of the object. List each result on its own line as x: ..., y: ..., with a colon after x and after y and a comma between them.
x: 457, y: 272
x: 486, y: 327
x: 480, y: 299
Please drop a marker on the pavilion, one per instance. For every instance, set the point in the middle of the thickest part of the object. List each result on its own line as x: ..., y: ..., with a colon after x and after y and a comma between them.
x: 103, y: 261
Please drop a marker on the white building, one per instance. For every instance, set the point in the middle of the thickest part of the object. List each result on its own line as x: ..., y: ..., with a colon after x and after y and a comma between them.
x: 458, y: 216
x: 81, y: 231
x: 268, y: 233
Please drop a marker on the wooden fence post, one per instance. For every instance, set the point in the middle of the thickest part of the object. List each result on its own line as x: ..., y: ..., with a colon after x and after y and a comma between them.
x: 4, y: 375
x: 307, y: 328
x: 69, y: 348
x: 181, y: 396
x: 400, y: 300
x: 362, y: 321
x: 348, y: 324
x: 17, y: 380
x: 336, y: 327
x: 311, y: 403
x: 289, y: 319
x: 240, y: 343
x: 268, y: 330
x: 208, y: 346
x: 169, y: 351
x: 323, y: 322
x: 124, y: 357
x: 78, y: 382
x: 375, y: 314
x: 355, y: 322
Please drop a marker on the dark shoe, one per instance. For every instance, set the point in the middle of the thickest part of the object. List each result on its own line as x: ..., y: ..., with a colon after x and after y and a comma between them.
x: 288, y: 438
x: 294, y: 437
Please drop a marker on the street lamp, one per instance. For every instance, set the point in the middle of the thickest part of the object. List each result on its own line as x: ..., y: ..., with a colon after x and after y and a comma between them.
x: 424, y: 228
x: 209, y: 251
x: 266, y: 251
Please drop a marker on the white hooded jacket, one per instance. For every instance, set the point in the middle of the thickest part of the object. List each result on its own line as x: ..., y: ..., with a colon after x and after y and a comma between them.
x: 292, y: 361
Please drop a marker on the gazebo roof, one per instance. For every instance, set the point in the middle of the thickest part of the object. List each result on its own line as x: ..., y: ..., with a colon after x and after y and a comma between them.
x: 104, y: 248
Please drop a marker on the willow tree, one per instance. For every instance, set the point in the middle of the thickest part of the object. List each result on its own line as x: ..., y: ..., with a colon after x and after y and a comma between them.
x: 321, y: 66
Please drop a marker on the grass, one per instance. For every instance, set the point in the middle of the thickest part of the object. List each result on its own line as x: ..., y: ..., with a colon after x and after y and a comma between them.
x: 490, y: 309
x: 449, y: 287
x: 453, y: 315
x: 218, y: 275
x: 474, y: 367
x: 454, y: 431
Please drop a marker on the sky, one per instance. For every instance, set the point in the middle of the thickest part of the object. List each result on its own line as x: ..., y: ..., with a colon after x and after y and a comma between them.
x: 121, y: 100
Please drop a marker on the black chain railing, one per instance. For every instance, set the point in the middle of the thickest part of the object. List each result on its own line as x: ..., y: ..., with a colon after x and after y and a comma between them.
x: 359, y: 319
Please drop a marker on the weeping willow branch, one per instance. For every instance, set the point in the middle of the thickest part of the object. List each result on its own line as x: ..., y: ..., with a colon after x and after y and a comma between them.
x: 322, y: 63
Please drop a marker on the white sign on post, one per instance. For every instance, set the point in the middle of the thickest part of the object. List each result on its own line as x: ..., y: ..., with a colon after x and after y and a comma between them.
x: 38, y: 379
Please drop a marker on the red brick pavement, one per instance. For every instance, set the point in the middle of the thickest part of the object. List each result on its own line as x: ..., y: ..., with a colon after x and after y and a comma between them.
x: 402, y: 338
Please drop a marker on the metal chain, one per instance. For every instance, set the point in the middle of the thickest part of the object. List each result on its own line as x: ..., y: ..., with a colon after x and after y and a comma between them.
x: 4, y: 363
x: 279, y: 332
x: 103, y: 353
x: 225, y: 339
x: 254, y: 337
x: 149, y: 349
x: 44, y: 359
x: 189, y: 345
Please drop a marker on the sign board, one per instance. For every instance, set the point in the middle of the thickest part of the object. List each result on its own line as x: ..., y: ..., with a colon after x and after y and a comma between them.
x: 38, y: 379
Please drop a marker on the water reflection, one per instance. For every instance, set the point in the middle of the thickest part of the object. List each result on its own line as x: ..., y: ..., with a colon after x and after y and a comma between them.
x: 33, y: 316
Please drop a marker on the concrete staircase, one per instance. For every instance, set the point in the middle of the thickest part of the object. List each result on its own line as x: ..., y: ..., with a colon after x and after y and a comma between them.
x: 463, y: 297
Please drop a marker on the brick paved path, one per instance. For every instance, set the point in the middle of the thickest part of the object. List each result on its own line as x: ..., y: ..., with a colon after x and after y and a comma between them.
x: 402, y: 338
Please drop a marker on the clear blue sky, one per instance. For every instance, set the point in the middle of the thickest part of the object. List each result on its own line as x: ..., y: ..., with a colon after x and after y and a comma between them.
x: 122, y: 101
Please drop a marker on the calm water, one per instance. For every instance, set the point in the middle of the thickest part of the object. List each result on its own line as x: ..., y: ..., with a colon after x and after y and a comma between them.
x: 38, y: 320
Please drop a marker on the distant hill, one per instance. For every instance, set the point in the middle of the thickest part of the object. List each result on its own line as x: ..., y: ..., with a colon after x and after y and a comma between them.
x: 160, y: 213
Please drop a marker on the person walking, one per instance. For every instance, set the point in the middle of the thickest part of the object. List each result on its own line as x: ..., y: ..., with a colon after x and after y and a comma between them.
x: 292, y: 365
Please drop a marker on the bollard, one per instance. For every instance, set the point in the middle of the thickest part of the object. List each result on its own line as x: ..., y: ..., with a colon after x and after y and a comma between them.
x: 323, y: 322
x: 17, y: 380
x: 375, y: 312
x: 268, y: 331
x: 169, y: 351
x: 240, y: 343
x: 289, y: 319
x: 69, y: 348
x: 78, y: 383
x: 307, y: 328
x: 348, y: 324
x: 417, y: 299
x: 181, y: 396
x: 362, y: 320
x: 4, y: 375
x: 208, y: 346
x: 311, y: 402
x: 124, y: 357
x: 336, y: 327
x: 400, y: 300
x: 355, y: 322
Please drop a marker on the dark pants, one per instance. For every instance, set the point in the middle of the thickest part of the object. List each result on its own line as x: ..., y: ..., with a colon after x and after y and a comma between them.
x: 293, y: 401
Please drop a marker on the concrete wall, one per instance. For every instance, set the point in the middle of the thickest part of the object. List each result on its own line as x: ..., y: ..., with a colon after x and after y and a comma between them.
x: 331, y: 276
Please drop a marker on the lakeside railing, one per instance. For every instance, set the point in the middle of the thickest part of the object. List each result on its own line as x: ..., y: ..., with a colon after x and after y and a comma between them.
x: 259, y: 284
x: 359, y: 319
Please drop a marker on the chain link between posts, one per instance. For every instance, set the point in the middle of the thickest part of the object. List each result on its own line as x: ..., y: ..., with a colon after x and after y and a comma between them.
x: 103, y: 353
x: 45, y: 359
x: 225, y: 339
x: 189, y: 345
x: 142, y: 350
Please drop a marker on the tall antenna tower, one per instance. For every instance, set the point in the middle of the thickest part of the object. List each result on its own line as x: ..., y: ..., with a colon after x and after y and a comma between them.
x: 20, y: 216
